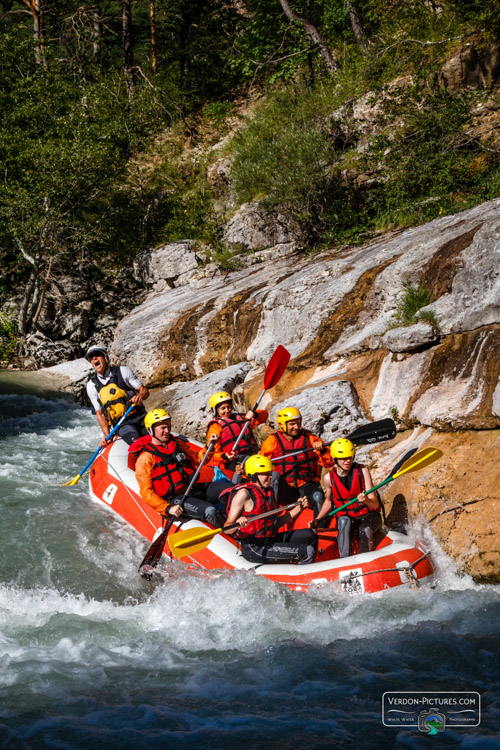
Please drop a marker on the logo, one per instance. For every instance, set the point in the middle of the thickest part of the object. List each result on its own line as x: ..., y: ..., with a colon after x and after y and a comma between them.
x: 431, y: 711
x: 431, y: 722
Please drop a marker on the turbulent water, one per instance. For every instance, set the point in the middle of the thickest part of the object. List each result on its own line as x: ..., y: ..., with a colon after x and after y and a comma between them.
x: 93, y: 656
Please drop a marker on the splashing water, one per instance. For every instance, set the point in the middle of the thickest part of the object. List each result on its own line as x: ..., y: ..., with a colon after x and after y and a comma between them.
x: 94, y: 656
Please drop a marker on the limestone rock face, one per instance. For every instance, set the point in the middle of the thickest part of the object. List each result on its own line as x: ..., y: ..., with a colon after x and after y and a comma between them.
x: 187, y: 403
x: 331, y: 310
x: 457, y: 497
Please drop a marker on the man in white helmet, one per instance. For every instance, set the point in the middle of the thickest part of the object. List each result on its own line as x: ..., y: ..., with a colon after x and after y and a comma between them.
x: 111, y: 390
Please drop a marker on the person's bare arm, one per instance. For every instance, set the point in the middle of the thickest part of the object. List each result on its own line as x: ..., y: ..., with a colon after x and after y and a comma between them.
x: 238, y: 503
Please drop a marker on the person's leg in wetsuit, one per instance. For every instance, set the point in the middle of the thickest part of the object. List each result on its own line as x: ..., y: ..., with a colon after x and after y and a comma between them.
x: 288, y: 547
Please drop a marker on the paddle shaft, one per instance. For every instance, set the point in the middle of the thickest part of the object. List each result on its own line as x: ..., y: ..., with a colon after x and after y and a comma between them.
x: 185, y: 542
x: 273, y: 512
x: 423, y: 457
x: 245, y: 426
x: 274, y: 370
x: 112, y: 432
x: 372, y: 433
x: 155, y: 552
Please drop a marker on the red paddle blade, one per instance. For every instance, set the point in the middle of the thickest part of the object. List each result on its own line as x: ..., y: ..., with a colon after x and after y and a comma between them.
x: 276, y: 367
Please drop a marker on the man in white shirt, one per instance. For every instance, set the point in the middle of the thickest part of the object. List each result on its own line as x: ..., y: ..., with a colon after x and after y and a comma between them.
x: 111, y: 391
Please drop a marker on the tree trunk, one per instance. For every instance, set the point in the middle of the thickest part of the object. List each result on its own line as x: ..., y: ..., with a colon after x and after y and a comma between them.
x: 96, y: 32
x: 36, y: 11
x: 356, y: 25
x: 313, y: 33
x: 184, y: 62
x: 152, y: 18
x: 128, y: 49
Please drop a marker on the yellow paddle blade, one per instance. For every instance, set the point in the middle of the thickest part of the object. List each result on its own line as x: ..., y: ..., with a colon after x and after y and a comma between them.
x: 186, y: 542
x: 419, y: 461
x: 72, y: 481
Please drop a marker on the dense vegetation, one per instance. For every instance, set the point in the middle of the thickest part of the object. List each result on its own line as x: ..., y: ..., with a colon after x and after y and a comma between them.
x: 99, y: 99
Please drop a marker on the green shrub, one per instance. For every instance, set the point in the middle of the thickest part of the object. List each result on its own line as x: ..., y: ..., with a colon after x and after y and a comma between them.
x: 8, y: 337
x: 414, y: 298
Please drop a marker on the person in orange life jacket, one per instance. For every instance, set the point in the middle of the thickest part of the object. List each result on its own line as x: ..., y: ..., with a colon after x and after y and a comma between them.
x: 345, y: 481
x: 299, y: 475
x: 227, y: 425
x: 111, y: 391
x: 261, y: 541
x: 163, y: 471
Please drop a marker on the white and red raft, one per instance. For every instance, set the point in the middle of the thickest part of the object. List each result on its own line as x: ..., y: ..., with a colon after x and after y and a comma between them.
x: 396, y: 561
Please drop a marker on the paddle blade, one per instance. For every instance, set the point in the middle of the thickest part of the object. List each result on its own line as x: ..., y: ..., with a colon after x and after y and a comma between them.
x: 419, y: 461
x: 373, y: 432
x: 276, y: 367
x: 73, y: 481
x: 187, y: 542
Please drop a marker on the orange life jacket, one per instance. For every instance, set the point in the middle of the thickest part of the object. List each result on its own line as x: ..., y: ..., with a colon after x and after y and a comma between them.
x: 303, y: 466
x: 172, y: 470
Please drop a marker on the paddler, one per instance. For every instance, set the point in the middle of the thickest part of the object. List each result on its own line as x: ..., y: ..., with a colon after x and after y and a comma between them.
x: 227, y: 425
x: 261, y: 541
x: 347, y: 480
x: 111, y: 390
x: 300, y: 473
x: 163, y: 470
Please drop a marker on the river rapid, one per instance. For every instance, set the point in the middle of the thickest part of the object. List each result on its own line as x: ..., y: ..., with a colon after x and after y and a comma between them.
x: 93, y: 656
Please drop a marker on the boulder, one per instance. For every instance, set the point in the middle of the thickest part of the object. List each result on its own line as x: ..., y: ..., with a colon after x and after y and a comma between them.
x: 408, y: 338
x: 330, y: 410
x: 167, y: 266
x: 253, y: 228
x: 471, y: 68
x: 42, y: 352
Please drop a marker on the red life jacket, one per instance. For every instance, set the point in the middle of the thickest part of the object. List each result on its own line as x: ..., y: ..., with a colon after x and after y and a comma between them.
x: 172, y: 470
x: 302, y: 466
x: 341, y: 494
x: 263, y: 500
x: 231, y: 428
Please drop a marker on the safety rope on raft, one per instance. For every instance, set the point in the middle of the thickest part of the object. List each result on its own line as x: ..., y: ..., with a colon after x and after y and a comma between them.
x: 408, y: 571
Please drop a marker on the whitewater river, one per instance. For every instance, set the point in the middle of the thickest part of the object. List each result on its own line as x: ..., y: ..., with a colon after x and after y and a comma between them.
x: 93, y: 656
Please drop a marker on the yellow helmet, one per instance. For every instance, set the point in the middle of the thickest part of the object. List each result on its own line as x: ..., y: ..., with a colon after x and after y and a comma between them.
x: 342, y: 448
x: 154, y: 417
x: 286, y: 415
x: 258, y: 465
x: 218, y: 398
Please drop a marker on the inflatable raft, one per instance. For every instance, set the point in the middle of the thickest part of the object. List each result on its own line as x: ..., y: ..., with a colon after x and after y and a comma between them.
x: 394, y: 562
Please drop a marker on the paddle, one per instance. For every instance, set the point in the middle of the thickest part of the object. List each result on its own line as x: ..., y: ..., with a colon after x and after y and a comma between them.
x: 415, y: 463
x: 76, y: 479
x: 190, y: 541
x: 154, y: 553
x: 373, y: 432
x: 274, y: 370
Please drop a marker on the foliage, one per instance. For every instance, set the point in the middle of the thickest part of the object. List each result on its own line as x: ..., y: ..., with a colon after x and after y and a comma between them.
x: 8, y: 337
x: 92, y: 172
x: 414, y: 298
